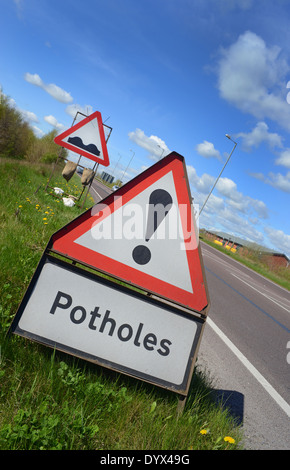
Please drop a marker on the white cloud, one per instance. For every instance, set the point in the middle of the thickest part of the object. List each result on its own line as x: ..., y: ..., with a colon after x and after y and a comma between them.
x: 228, y: 219
x: 230, y: 210
x: 233, y: 4
x: 202, y: 184
x: 279, y: 181
x: 284, y: 158
x: 238, y: 201
x: 259, y: 207
x: 153, y: 144
x: 53, y: 90
x: 258, y: 135
x: 215, y: 204
x: 276, y: 180
x: 228, y: 188
x: 251, y: 76
x: 19, y: 7
x: 72, y: 110
x: 29, y: 115
x: 38, y: 132
x: 232, y: 200
x: 206, y: 149
x: 279, y: 239
x: 257, y: 175
x: 53, y: 122
x: 33, y: 79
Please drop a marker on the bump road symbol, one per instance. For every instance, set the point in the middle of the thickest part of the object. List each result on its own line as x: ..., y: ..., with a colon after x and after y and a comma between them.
x: 160, y: 203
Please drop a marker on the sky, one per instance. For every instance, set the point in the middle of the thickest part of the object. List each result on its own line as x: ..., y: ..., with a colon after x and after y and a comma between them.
x: 168, y: 75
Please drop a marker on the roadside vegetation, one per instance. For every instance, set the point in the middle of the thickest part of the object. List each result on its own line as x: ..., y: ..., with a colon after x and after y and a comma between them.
x: 49, y: 400
x: 252, y: 260
x: 18, y: 140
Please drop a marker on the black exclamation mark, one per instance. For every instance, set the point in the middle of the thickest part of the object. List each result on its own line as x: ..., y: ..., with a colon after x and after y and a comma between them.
x: 160, y: 203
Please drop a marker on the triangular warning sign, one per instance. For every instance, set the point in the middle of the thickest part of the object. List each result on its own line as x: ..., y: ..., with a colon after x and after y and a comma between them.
x: 145, y: 235
x: 87, y: 138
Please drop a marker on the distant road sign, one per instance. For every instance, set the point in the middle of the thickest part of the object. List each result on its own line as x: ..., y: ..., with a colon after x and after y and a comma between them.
x: 87, y: 138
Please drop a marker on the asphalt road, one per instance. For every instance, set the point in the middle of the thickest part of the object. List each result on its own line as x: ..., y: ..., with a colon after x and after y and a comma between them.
x: 99, y: 191
x: 244, y: 349
x: 245, y: 346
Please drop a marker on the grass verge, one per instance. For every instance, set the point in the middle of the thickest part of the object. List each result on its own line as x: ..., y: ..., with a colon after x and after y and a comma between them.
x: 49, y: 400
x: 280, y: 276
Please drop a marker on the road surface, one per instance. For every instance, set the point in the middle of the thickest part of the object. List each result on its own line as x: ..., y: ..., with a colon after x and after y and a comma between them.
x: 245, y: 346
x: 99, y: 191
x: 244, y: 349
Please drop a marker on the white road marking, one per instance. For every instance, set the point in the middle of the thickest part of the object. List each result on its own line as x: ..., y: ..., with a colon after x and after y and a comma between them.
x: 224, y: 263
x: 96, y: 192
x: 262, y: 293
x: 259, y: 377
x: 251, y: 271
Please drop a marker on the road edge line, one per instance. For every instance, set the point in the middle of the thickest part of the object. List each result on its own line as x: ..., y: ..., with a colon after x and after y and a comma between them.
x: 258, y: 376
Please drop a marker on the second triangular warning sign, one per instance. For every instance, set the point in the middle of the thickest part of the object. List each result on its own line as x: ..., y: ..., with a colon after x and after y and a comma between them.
x: 86, y: 138
x: 145, y: 235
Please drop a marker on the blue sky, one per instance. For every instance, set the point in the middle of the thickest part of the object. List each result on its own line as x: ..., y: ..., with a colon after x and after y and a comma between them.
x: 168, y: 75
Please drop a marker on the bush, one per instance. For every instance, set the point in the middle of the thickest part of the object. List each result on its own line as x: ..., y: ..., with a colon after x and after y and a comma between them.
x: 17, y: 139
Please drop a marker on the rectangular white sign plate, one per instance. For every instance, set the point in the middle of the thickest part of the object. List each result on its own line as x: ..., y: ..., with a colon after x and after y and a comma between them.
x: 72, y: 310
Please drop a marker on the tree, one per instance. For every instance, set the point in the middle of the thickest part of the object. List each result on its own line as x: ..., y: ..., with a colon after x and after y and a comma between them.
x: 45, y: 149
x: 16, y: 136
x: 17, y: 139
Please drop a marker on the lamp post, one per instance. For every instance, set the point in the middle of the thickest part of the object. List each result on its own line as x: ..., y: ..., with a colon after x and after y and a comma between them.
x: 162, y: 151
x: 116, y: 164
x: 128, y: 164
x: 229, y: 137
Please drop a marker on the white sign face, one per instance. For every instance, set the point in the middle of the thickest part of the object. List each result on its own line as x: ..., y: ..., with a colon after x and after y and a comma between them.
x: 166, y: 254
x: 144, y: 234
x: 87, y: 138
x: 79, y: 314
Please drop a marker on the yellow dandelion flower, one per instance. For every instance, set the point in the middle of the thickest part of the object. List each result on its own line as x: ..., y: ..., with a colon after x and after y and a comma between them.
x: 46, y: 212
x: 203, y: 431
x: 19, y: 206
x: 229, y: 439
x: 44, y: 218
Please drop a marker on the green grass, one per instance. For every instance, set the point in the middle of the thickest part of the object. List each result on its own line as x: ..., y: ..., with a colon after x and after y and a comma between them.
x: 49, y: 400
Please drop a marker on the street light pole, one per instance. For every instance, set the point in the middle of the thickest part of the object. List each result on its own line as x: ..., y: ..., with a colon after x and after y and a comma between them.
x: 116, y: 164
x: 128, y: 164
x: 229, y: 137
x: 162, y: 151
